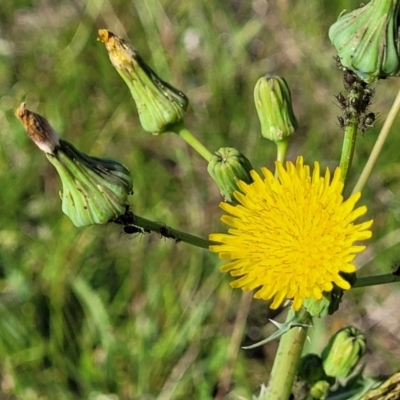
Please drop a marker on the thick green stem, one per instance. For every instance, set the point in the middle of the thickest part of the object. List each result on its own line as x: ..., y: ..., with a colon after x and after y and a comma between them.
x: 349, y: 143
x: 170, y: 233
x: 188, y: 137
x: 376, y: 280
x: 378, y: 145
x: 287, y: 360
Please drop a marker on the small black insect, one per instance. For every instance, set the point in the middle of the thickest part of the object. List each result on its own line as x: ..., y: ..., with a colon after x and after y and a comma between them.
x: 339, y: 63
x: 131, y: 229
x: 355, y: 104
x: 368, y: 122
x: 348, y: 79
x: 342, y: 101
x: 366, y: 100
x: 342, y: 123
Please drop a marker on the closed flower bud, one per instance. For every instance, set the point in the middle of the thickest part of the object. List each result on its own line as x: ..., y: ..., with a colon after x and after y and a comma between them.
x: 159, y: 105
x: 320, y: 390
x: 274, y: 107
x: 227, y: 167
x: 343, y: 352
x: 366, y: 40
x: 95, y: 190
x: 311, y: 369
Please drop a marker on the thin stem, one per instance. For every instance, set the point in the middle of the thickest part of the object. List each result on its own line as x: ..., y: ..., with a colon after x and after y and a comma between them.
x: 378, y: 145
x: 376, y: 280
x: 287, y: 359
x: 167, y: 232
x: 349, y: 143
x: 281, y: 149
x: 192, y: 141
x: 234, y: 345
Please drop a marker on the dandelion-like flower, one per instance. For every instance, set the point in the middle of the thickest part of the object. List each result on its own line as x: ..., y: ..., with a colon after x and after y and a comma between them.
x: 291, y: 236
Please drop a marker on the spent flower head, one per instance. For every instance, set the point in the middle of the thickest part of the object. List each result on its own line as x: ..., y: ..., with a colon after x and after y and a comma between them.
x: 291, y: 236
x: 159, y: 104
x: 95, y: 190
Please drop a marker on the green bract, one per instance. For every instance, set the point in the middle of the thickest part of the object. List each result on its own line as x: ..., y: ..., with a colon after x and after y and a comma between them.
x: 159, y: 104
x: 366, y: 40
x: 344, y: 350
x: 274, y: 107
x: 95, y: 190
x: 228, y: 166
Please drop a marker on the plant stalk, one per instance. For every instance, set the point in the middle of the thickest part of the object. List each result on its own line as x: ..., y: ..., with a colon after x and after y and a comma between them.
x: 165, y: 231
x: 192, y: 141
x: 378, y: 145
x: 376, y: 280
x: 287, y: 360
x: 349, y: 143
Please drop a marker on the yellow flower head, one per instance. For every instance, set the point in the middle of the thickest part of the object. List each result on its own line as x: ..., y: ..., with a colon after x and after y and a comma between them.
x: 291, y: 236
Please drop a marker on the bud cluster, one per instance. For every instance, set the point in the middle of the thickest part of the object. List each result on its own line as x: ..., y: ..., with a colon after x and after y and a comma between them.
x: 337, y: 361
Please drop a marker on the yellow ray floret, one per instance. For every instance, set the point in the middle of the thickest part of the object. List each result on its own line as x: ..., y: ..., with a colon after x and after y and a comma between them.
x: 291, y: 236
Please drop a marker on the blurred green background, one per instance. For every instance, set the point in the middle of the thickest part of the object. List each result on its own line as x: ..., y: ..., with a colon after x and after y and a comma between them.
x: 92, y: 313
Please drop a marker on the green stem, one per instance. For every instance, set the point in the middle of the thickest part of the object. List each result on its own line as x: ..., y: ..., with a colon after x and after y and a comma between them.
x: 287, y: 359
x: 188, y: 137
x: 376, y: 280
x: 378, y: 145
x: 170, y: 233
x: 281, y: 148
x: 349, y: 143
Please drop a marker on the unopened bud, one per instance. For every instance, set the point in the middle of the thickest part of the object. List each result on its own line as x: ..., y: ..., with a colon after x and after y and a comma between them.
x: 366, y: 40
x: 320, y: 390
x: 159, y: 104
x: 344, y: 350
x: 95, y: 190
x: 274, y: 107
x: 227, y: 167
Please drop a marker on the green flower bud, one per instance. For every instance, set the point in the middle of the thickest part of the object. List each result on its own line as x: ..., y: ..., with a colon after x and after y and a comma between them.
x: 320, y: 390
x: 274, y: 107
x: 366, y: 40
x: 344, y: 350
x: 159, y: 104
x: 311, y: 369
x: 227, y: 167
x: 95, y: 190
